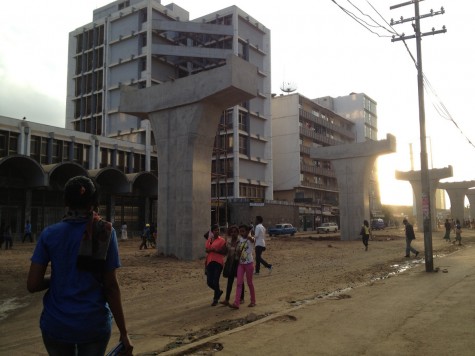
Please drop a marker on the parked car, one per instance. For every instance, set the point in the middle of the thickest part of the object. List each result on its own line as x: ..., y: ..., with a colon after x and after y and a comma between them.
x: 282, y: 229
x: 327, y: 227
x: 377, y: 224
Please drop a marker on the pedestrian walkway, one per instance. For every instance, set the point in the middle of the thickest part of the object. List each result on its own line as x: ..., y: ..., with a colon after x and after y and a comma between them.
x: 413, y: 313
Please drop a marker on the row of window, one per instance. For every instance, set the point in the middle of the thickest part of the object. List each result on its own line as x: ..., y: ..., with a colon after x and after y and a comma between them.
x: 46, y: 150
x: 8, y: 143
x: 89, y: 105
x: 90, y: 60
x: 88, y: 83
x: 90, y: 39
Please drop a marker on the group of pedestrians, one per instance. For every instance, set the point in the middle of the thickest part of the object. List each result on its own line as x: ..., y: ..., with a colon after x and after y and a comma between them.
x: 240, y: 254
x: 457, y: 227
x: 6, y: 235
x: 410, y: 235
x: 365, y: 233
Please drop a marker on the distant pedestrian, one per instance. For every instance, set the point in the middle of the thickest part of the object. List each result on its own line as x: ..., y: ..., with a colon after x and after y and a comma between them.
x: 7, y: 235
x: 27, y: 232
x: 458, y: 232
x: 260, y: 239
x: 2, y: 233
x: 410, y: 235
x: 365, y: 232
x: 123, y: 231
x: 145, y: 236
x: 246, y: 266
x: 448, y: 227
x: 215, y: 247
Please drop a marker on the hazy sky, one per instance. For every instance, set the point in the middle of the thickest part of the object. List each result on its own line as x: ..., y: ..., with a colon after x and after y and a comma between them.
x: 314, y: 44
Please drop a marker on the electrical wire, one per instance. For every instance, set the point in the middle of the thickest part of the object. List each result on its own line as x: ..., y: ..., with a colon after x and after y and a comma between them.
x: 361, y: 21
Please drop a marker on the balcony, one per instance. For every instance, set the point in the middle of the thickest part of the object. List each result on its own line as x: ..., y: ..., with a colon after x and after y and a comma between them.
x: 318, y: 171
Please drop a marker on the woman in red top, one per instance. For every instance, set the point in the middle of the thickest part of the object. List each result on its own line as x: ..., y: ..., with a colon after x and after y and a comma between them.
x: 216, y: 250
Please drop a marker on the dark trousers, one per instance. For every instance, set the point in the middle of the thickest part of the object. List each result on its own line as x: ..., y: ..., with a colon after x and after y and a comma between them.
x: 213, y: 272
x: 365, y: 240
x: 229, y: 285
x: 259, y: 259
x: 27, y: 234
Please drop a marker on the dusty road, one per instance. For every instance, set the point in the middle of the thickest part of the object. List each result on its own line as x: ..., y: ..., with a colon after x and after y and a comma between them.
x: 167, y: 302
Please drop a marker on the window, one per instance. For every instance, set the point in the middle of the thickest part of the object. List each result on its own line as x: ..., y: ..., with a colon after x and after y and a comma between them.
x: 243, y: 144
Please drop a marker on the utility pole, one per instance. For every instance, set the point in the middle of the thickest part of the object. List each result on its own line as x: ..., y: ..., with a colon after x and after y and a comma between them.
x: 425, y: 183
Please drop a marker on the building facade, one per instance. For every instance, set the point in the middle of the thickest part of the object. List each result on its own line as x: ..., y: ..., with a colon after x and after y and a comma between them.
x: 298, y: 124
x: 36, y: 160
x: 362, y: 110
x: 142, y: 43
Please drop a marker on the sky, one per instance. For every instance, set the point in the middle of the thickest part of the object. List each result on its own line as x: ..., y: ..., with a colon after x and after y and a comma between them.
x: 314, y: 44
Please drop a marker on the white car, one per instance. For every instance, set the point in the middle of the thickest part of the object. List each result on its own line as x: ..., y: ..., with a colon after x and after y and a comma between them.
x: 327, y: 227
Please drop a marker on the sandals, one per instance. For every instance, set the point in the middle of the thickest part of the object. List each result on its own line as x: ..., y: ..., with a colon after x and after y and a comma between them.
x: 234, y: 306
x: 224, y: 302
x: 252, y: 305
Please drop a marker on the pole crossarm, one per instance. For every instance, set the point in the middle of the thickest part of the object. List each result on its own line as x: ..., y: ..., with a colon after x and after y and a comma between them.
x: 433, y: 32
x: 411, y: 19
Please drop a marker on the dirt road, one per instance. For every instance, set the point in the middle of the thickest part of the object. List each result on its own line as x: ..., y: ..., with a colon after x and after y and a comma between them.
x: 167, y: 302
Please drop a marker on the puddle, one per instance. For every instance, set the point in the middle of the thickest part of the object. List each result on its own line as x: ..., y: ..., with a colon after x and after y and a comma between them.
x: 7, y: 306
x: 341, y: 293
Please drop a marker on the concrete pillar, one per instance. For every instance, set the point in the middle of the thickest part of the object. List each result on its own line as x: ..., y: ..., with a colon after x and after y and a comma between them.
x: 414, y: 177
x: 184, y: 115
x: 353, y: 164
x: 457, y: 192
x: 471, y: 199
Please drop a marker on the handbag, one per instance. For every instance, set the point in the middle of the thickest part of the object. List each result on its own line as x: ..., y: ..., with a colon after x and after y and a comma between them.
x: 228, y: 267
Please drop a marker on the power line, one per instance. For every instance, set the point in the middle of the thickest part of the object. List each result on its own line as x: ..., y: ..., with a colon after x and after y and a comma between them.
x: 361, y: 21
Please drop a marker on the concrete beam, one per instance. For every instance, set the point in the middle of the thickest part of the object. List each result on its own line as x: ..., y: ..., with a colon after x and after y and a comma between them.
x: 456, y: 192
x: 414, y: 178
x: 184, y: 116
x: 353, y: 164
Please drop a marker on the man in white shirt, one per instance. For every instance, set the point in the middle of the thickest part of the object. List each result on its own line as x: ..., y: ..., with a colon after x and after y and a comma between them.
x: 259, y: 234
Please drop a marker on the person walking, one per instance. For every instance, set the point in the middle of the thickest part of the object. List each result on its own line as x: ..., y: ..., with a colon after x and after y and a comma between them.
x: 260, y: 234
x: 410, y: 235
x: 365, y: 232
x: 245, y: 248
x: 232, y: 257
x: 2, y: 234
x: 215, y: 247
x: 145, y: 236
x: 27, y: 232
x: 448, y: 227
x: 458, y: 232
x: 123, y: 231
x: 82, y: 292
x: 8, y: 237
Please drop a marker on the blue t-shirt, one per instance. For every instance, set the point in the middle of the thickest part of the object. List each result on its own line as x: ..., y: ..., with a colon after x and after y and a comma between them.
x: 74, y: 307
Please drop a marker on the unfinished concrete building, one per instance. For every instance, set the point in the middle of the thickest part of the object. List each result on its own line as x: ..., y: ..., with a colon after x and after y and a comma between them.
x: 143, y: 43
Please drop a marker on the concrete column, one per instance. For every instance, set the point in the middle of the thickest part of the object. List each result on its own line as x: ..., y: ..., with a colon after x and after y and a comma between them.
x: 471, y: 199
x: 353, y: 164
x: 184, y: 115
x: 457, y: 192
x: 414, y: 177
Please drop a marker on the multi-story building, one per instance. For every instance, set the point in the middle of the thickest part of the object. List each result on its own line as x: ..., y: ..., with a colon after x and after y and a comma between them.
x: 362, y: 110
x: 358, y: 108
x: 298, y: 124
x: 143, y: 43
x: 36, y: 160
